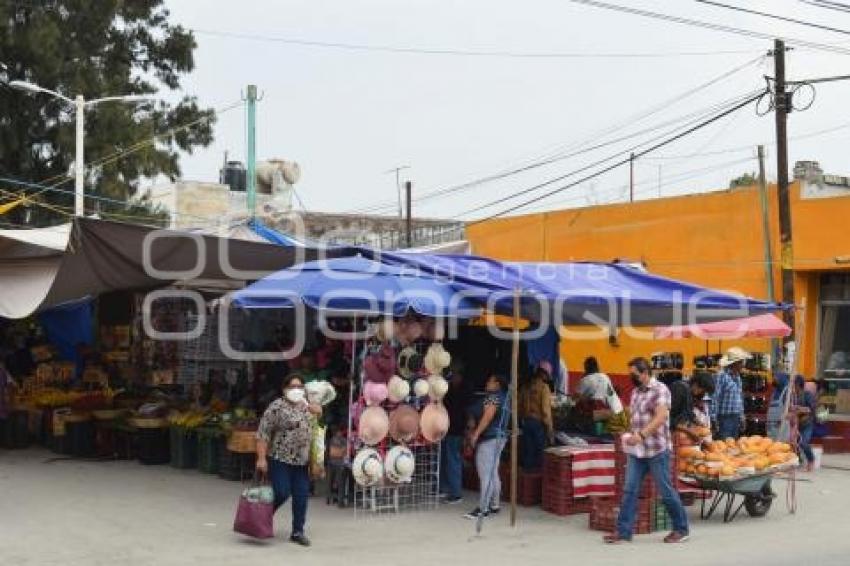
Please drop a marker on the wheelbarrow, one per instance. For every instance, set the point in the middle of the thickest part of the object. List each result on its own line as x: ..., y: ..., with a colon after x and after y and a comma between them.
x: 752, y: 492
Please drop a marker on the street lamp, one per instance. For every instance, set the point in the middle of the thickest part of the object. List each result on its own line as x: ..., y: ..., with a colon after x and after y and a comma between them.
x: 80, y: 105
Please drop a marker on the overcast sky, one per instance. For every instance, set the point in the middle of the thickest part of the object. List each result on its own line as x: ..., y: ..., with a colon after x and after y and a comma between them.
x: 347, y: 116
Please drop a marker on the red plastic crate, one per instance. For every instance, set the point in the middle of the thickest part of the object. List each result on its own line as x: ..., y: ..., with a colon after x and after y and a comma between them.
x: 605, y: 510
x: 564, y: 507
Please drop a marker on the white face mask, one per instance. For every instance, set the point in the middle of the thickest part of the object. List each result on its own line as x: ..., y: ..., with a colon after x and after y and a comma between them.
x: 295, y: 395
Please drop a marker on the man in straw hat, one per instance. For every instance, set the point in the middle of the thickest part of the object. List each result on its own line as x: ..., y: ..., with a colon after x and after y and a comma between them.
x: 727, y: 407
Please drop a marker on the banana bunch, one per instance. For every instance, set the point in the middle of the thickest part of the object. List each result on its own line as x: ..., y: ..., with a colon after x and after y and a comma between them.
x: 189, y: 419
x: 50, y: 397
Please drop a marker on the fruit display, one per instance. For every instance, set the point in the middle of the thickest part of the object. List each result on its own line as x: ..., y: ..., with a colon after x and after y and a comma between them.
x: 731, y: 459
x: 189, y: 419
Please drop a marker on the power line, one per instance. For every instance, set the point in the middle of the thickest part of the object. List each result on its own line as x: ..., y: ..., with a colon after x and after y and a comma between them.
x: 837, y: 6
x: 597, y: 163
x: 552, y: 156
x: 626, y: 160
x: 712, y: 26
x: 773, y: 16
x: 458, y: 52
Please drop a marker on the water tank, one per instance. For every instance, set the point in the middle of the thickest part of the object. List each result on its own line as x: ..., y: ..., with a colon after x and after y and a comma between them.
x: 233, y: 174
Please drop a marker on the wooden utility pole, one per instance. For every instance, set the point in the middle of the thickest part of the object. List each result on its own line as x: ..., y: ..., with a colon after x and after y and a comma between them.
x: 782, y: 104
x: 768, y: 244
x: 408, y: 189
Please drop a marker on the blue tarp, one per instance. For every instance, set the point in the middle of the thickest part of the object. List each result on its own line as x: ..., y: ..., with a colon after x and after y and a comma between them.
x: 275, y: 237
x: 357, y: 284
x: 68, y: 326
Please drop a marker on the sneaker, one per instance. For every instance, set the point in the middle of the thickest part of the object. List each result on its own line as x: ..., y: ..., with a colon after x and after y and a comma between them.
x: 300, y: 539
x: 476, y: 513
x: 494, y: 510
x: 615, y: 538
x: 675, y: 537
x: 452, y: 500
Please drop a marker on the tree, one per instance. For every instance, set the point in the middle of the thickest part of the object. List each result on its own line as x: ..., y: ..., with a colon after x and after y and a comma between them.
x: 95, y: 48
x: 745, y: 180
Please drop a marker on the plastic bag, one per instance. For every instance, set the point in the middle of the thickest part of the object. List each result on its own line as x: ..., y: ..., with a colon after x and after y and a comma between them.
x: 255, y: 516
x: 317, y: 451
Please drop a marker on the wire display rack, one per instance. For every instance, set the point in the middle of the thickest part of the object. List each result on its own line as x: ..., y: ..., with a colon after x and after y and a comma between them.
x: 421, y: 494
x: 204, y: 354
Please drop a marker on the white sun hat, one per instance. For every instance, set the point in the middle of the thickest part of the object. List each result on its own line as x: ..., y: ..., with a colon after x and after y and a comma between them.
x: 437, y: 387
x: 437, y: 359
x: 421, y: 388
x: 734, y: 354
x: 373, y: 426
x: 398, y: 388
x: 367, y: 467
x: 399, y: 465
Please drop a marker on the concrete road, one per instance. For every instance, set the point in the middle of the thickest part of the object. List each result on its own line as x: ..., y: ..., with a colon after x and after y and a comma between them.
x: 70, y: 512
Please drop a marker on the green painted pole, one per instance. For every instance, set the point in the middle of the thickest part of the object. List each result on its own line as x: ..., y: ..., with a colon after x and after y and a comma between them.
x: 251, y: 166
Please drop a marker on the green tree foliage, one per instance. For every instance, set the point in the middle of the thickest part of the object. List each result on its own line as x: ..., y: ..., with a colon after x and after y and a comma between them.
x: 95, y: 48
x: 745, y: 180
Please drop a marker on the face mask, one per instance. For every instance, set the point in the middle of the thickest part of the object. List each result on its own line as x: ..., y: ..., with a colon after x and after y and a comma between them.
x: 636, y: 380
x: 294, y: 395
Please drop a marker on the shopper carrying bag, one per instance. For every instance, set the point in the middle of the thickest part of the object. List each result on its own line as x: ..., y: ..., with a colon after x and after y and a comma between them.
x: 255, y: 511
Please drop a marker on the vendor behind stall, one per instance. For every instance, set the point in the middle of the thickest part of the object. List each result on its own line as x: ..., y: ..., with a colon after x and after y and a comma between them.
x: 599, y: 401
x: 535, y: 410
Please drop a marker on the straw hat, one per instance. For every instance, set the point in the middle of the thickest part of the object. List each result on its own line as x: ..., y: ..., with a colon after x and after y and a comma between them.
x: 404, y: 424
x: 398, y: 388
x: 399, y: 464
x: 409, y: 362
x: 320, y: 392
x: 734, y: 354
x: 380, y: 366
x: 437, y: 359
x: 373, y: 425
x: 437, y: 387
x: 385, y: 330
x: 421, y: 388
x: 375, y: 393
x: 434, y: 422
x: 367, y: 467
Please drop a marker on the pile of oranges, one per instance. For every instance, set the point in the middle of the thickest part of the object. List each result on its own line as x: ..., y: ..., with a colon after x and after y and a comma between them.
x: 728, y: 459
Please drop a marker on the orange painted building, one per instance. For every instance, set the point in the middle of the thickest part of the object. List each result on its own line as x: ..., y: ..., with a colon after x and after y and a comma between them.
x: 712, y: 239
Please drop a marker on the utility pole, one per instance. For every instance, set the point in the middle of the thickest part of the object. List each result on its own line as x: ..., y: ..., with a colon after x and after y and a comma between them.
x: 397, y: 170
x: 632, y: 177
x: 251, y: 165
x: 408, y: 189
x: 782, y: 104
x: 768, y: 244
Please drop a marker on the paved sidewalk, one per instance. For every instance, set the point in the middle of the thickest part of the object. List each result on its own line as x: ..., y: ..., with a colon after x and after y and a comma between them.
x: 122, y: 513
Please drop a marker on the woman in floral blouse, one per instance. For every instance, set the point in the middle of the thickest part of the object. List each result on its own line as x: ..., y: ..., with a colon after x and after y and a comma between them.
x: 283, y: 451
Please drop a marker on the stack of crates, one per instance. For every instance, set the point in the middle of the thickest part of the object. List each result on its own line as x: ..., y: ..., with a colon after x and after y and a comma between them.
x: 661, y: 520
x: 184, y: 448
x: 557, y: 493
x: 605, y: 510
x: 648, y: 490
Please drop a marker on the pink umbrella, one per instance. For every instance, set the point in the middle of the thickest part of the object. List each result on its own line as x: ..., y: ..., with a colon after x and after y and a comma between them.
x: 762, y: 326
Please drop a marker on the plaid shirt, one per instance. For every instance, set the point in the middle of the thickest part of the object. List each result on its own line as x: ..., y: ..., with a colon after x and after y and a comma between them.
x: 645, y: 401
x: 728, y: 395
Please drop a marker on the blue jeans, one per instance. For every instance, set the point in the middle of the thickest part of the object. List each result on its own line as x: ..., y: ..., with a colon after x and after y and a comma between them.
x: 451, y: 473
x: 532, y: 444
x: 487, y: 457
x: 728, y: 426
x: 659, y: 467
x: 287, y: 480
x: 806, y: 440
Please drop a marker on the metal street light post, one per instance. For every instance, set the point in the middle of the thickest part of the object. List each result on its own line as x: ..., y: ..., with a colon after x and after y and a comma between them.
x: 80, y: 105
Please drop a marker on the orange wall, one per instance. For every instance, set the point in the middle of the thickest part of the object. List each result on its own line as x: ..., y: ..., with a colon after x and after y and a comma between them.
x: 713, y: 239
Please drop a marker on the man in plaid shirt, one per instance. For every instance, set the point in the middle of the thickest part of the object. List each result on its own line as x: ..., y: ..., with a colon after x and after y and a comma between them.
x: 727, y: 407
x: 648, y: 446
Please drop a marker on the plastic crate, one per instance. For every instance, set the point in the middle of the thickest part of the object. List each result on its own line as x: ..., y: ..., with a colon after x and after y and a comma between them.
x: 184, y: 448
x: 153, y: 446
x: 235, y: 466
x: 661, y: 520
x: 605, y: 511
x: 210, y: 444
x: 17, y: 433
x: 80, y: 437
x: 565, y: 506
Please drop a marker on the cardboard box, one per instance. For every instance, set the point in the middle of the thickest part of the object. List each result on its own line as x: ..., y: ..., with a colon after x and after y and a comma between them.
x: 842, y: 402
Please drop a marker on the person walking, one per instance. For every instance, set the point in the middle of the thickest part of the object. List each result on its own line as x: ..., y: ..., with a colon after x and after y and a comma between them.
x: 806, y: 404
x: 456, y: 402
x: 535, y: 412
x: 649, y: 449
x: 488, y: 438
x: 727, y: 405
x: 283, y: 451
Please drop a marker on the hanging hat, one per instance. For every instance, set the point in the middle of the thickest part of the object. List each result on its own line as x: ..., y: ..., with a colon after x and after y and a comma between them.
x: 421, y: 388
x: 733, y: 355
x: 434, y: 422
x: 398, y: 389
x: 404, y: 424
x: 437, y: 387
x: 320, y: 392
x: 437, y: 359
x: 399, y: 464
x: 385, y: 330
x: 374, y: 393
x: 380, y: 366
x: 367, y: 467
x: 373, y: 425
x: 409, y: 362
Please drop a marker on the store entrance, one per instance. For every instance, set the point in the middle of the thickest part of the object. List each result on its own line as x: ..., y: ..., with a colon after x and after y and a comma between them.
x: 834, y: 335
